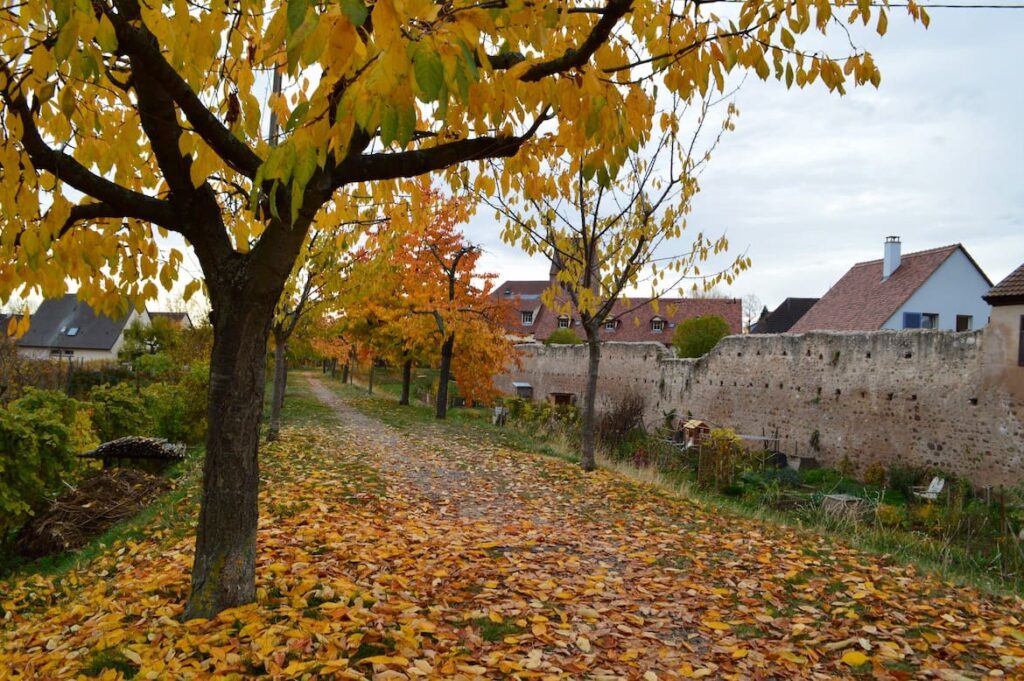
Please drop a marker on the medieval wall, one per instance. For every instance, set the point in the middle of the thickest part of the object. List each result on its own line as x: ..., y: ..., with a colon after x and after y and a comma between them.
x: 917, y: 397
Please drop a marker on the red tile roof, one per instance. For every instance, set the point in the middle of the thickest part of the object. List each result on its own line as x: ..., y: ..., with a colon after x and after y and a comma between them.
x: 861, y: 301
x: 1009, y: 291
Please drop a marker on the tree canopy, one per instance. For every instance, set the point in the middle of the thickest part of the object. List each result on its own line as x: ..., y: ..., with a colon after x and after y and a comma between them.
x: 696, y: 337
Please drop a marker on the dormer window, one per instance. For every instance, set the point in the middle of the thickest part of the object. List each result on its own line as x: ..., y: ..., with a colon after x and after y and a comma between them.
x: 528, y: 318
x: 564, y: 322
x: 610, y: 325
x: 508, y: 293
x: 73, y: 331
x: 657, y: 325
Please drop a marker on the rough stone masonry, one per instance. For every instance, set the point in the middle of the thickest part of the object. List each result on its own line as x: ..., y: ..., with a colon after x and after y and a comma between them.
x: 923, y: 398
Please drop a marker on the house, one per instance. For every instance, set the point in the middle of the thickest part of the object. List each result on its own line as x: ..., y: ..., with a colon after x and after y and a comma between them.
x: 1005, y: 332
x: 67, y: 327
x: 631, y: 320
x: 940, y: 288
x: 782, y: 318
x: 179, y: 319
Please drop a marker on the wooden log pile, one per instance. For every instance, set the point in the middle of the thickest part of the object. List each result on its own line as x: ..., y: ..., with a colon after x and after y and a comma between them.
x: 137, y: 447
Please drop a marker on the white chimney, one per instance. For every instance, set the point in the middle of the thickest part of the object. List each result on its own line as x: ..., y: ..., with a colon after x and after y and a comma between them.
x: 891, y: 261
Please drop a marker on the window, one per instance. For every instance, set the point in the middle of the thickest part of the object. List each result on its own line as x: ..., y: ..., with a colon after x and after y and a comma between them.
x: 964, y: 322
x: 911, y: 320
x: 73, y: 331
x: 560, y: 399
x: 508, y: 293
x: 523, y: 390
x: 929, y: 320
x: 564, y: 322
x: 528, y: 318
x: 657, y: 325
x: 610, y: 325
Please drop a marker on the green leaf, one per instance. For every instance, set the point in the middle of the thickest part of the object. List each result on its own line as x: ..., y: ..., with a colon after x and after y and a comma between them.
x: 296, y: 14
x: 429, y: 72
x: 406, y: 124
x: 296, y: 117
x: 355, y: 11
x: 388, y: 125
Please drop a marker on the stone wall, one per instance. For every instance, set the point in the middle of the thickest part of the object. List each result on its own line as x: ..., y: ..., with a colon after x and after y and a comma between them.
x: 924, y: 398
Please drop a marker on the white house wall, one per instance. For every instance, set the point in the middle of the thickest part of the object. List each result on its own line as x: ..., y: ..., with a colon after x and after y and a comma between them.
x: 955, y: 288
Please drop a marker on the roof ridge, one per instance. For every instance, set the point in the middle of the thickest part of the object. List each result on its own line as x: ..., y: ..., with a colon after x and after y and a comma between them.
x: 927, y: 251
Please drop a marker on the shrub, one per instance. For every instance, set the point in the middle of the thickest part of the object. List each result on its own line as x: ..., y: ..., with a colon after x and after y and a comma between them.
x: 74, y: 415
x: 889, y: 515
x: 720, y: 456
x: 628, y: 415
x: 563, y: 337
x: 35, y: 455
x: 159, y: 365
x: 695, y: 337
x: 902, y: 479
x: 821, y: 477
x: 118, y: 411
x: 875, y: 475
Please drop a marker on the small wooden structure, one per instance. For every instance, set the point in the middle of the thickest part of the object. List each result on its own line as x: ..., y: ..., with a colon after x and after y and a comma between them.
x: 695, y: 432
x: 145, y: 453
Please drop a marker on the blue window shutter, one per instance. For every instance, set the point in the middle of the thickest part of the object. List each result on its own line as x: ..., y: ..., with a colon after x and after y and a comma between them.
x: 911, y: 320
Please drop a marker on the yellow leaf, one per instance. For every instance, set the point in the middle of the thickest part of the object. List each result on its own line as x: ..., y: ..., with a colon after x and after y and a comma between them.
x: 854, y: 658
x: 717, y: 626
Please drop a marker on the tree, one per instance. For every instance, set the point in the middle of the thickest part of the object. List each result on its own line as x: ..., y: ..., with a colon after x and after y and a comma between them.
x: 697, y: 336
x: 124, y: 120
x: 752, y: 310
x: 604, y: 229
x: 563, y: 337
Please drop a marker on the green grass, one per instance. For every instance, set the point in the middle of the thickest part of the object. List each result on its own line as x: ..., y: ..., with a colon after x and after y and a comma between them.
x: 496, y: 631
x: 112, y: 659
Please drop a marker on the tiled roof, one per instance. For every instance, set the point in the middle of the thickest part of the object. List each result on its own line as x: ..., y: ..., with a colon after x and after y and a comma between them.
x: 861, y: 301
x: 70, y: 324
x: 1009, y: 291
x: 782, y: 318
x: 634, y: 318
x: 526, y: 295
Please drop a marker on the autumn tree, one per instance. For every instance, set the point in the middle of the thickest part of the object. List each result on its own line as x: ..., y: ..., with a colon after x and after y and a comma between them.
x: 125, y: 120
x: 608, y: 228
x: 424, y: 299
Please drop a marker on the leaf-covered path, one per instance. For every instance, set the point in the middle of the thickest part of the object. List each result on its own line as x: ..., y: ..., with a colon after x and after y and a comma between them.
x: 413, y: 553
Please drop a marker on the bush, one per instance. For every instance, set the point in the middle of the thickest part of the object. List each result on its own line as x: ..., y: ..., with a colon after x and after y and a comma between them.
x: 902, y: 479
x: 695, y: 337
x: 74, y: 415
x: 159, y: 365
x: 178, y: 412
x: 35, y: 456
x: 563, y: 337
x: 889, y: 515
x: 118, y: 412
x: 628, y: 415
x: 875, y: 475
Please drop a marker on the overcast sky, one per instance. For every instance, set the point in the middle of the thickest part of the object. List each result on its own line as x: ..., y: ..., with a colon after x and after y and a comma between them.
x: 810, y: 183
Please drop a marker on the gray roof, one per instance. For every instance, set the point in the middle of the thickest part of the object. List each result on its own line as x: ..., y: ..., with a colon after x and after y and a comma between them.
x: 70, y: 324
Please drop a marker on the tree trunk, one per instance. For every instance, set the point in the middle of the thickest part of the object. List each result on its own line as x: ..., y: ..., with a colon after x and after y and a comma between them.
x: 344, y: 373
x: 590, y: 400
x: 224, y: 571
x: 280, y: 383
x: 369, y: 379
x: 447, y: 350
x: 406, y: 382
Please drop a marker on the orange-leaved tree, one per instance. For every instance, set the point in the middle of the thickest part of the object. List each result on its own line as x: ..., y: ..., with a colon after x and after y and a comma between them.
x: 125, y: 120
